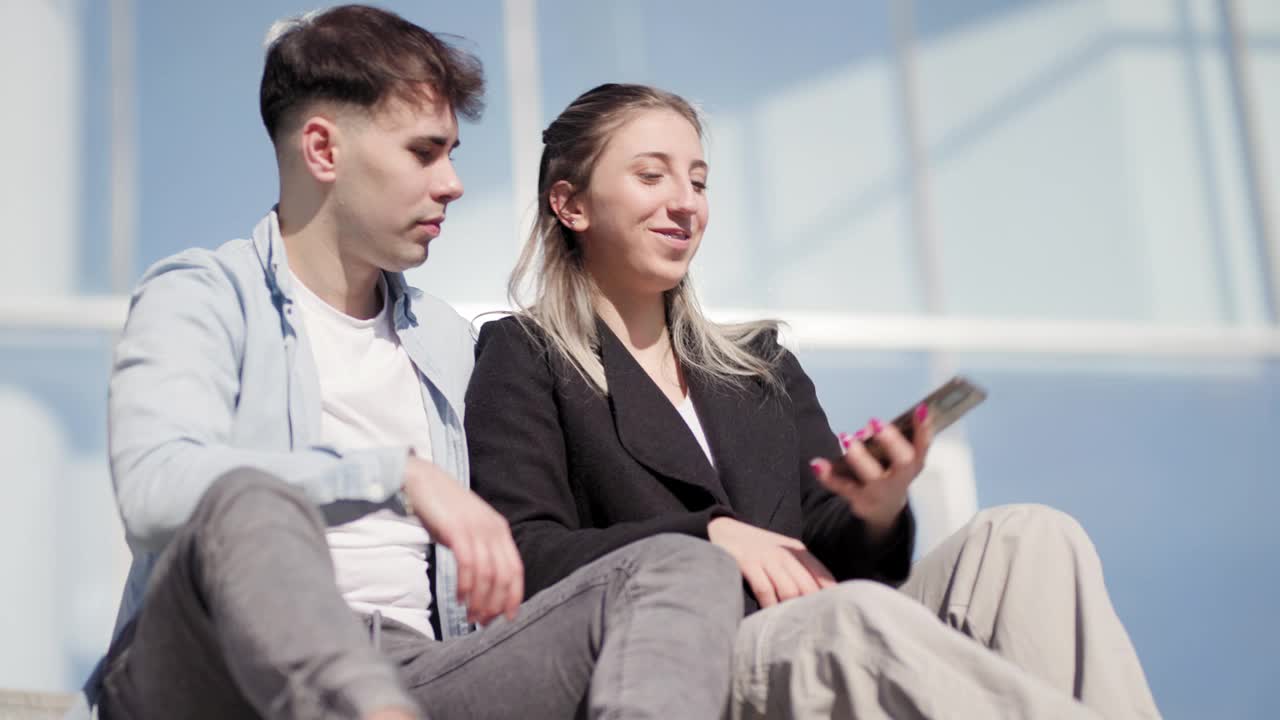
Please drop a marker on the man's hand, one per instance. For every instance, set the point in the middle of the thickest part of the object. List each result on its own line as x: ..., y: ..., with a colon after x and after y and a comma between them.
x: 776, y: 567
x: 490, y: 574
x: 878, y: 494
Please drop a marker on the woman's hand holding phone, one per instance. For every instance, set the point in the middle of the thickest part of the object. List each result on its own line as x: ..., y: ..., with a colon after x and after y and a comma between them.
x: 875, y: 491
x: 880, y: 461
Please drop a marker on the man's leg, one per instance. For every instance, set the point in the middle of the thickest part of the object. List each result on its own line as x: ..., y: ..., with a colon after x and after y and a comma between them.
x: 863, y: 650
x: 242, y: 618
x: 1026, y: 581
x: 644, y: 632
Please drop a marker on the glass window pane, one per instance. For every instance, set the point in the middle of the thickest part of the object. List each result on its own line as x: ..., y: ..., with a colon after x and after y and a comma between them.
x: 64, y: 541
x: 1086, y: 162
x: 808, y: 196
x: 206, y: 167
x: 40, y: 187
x: 1260, y: 21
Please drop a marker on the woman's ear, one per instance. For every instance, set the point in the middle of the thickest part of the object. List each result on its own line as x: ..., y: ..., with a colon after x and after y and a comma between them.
x: 567, y: 207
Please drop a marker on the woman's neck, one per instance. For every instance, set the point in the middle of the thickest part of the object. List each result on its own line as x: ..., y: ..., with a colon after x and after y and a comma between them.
x: 640, y: 322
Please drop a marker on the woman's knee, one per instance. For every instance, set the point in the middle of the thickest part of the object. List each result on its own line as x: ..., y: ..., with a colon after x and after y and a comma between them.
x: 860, y: 601
x: 861, y: 593
x: 1035, y: 523
x: 853, y: 617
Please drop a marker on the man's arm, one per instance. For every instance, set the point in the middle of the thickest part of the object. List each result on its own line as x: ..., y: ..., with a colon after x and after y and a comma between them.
x: 174, y: 388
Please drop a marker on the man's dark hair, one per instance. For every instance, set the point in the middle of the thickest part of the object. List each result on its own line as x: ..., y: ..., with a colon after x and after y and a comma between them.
x: 362, y: 56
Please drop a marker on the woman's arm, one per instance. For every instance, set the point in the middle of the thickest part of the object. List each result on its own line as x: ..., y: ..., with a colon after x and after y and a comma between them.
x: 832, y: 532
x: 518, y: 461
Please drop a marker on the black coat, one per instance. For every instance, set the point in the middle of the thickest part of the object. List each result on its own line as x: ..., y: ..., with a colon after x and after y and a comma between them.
x: 579, y: 474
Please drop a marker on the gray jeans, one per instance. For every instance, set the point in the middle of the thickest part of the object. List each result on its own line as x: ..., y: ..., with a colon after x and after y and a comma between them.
x: 242, y: 619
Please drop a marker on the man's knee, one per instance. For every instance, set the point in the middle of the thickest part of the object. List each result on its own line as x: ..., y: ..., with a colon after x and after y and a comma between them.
x: 242, y: 494
x: 693, y: 564
x: 684, y: 551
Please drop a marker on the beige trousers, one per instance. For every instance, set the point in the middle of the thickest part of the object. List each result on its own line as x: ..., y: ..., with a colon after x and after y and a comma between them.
x: 1024, y: 583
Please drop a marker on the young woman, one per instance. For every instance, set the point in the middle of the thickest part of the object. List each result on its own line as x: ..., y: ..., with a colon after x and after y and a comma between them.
x: 609, y: 410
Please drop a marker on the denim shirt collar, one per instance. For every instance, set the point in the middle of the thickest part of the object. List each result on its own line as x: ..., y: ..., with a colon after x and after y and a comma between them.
x: 268, y: 243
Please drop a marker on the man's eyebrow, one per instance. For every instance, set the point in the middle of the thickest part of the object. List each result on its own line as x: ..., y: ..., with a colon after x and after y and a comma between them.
x: 438, y: 140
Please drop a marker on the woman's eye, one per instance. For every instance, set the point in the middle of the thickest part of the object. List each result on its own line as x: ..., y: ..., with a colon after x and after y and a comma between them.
x: 700, y: 185
x: 650, y: 177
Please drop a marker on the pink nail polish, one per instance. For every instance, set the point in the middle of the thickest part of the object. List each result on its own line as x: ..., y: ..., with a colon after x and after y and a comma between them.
x: 816, y: 466
x: 922, y: 412
x: 845, y: 440
x: 876, y: 425
x: 860, y: 435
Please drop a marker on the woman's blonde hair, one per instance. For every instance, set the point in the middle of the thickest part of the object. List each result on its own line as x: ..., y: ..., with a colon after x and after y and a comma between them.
x: 551, y: 267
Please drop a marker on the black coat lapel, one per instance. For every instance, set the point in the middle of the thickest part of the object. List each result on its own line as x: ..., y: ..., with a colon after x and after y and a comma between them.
x: 752, y: 440
x: 648, y: 425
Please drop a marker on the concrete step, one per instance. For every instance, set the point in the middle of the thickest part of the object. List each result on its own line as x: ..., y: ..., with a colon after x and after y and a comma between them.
x: 25, y: 705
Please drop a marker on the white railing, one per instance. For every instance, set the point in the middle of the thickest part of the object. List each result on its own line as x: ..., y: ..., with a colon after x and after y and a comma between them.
x: 819, y: 330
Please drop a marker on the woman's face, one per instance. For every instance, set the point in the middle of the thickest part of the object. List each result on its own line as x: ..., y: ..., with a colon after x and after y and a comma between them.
x: 645, y: 207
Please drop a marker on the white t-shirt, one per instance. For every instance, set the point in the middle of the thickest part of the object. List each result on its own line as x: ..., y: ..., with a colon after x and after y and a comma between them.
x: 690, y: 416
x: 371, y: 397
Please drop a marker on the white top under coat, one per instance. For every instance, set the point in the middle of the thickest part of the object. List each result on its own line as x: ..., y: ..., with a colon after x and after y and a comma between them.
x: 690, y: 416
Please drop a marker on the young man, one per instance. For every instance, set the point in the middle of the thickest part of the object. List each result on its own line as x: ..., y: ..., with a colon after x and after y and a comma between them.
x: 286, y: 445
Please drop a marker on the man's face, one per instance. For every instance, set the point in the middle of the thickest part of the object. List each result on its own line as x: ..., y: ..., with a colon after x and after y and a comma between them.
x: 394, y: 179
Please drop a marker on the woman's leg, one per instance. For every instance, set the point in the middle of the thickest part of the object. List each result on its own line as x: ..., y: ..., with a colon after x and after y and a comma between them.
x: 863, y: 650
x: 1026, y: 582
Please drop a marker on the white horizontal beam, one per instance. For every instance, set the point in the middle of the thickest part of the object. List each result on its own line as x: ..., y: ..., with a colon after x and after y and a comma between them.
x: 817, y: 331
x: 105, y: 313
x: 992, y: 335
x: 859, y: 331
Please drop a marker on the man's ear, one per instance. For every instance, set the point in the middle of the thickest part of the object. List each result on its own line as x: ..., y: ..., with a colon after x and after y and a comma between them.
x: 320, y: 137
x: 568, y: 207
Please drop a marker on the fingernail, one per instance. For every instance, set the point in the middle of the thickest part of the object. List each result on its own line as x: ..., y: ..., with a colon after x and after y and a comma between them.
x: 860, y: 435
x: 845, y: 440
x: 876, y: 426
x: 815, y: 465
x: 922, y: 412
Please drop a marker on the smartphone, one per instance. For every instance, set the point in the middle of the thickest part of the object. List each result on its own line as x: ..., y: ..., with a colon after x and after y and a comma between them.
x: 946, y: 405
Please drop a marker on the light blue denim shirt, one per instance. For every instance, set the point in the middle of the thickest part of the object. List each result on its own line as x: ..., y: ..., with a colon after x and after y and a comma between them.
x: 214, y: 372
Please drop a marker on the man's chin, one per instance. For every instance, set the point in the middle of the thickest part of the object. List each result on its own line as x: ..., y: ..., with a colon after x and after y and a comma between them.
x: 408, y: 260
